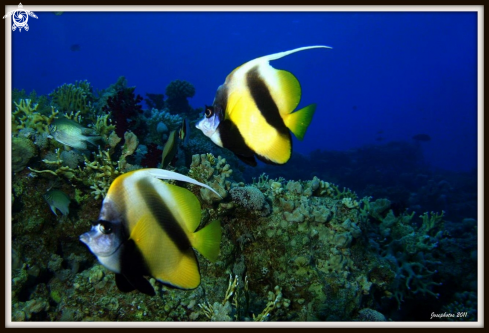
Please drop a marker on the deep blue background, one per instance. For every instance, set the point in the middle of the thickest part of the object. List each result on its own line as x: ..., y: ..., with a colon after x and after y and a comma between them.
x: 401, y: 73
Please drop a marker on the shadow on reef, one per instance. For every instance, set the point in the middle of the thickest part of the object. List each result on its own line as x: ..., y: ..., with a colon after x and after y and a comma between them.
x: 291, y: 250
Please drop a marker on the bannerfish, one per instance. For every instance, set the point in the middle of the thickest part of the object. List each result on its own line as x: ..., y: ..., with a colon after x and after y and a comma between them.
x: 171, y: 146
x: 253, y: 111
x: 71, y: 133
x: 147, y: 227
x: 57, y: 199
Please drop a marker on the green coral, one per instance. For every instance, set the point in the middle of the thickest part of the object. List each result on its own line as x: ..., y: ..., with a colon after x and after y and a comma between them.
x: 23, y: 150
x: 27, y: 116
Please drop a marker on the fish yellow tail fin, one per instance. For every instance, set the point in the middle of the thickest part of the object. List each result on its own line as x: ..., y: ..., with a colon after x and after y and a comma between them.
x: 208, y: 240
x: 299, y: 121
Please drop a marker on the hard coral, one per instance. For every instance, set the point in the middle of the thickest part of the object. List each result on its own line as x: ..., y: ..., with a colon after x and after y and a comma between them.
x: 26, y: 116
x: 73, y: 97
x: 23, y: 150
x: 249, y: 197
x: 178, y: 91
x: 213, y: 172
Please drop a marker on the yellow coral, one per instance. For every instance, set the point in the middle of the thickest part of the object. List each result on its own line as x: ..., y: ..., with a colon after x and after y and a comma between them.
x: 26, y: 116
x: 102, y: 127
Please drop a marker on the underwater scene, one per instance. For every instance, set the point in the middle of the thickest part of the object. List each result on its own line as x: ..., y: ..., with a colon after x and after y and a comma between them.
x: 248, y: 166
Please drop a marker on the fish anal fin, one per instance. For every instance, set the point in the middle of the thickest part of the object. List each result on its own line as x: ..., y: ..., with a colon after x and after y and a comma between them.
x: 184, y: 273
x: 277, y: 149
x: 299, y: 121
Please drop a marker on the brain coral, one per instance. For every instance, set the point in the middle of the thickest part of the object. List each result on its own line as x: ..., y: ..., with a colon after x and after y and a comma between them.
x: 248, y: 197
x: 23, y: 150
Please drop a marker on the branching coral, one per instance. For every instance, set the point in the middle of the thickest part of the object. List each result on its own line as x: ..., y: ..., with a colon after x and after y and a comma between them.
x: 104, y: 127
x: 73, y: 97
x: 27, y: 116
x: 223, y: 311
x: 408, y: 249
x: 97, y: 174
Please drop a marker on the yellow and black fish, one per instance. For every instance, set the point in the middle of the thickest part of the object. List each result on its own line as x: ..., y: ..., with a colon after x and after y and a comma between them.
x: 148, y: 227
x: 171, y: 146
x: 253, y: 111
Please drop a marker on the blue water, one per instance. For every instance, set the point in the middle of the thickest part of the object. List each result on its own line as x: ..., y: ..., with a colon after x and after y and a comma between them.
x: 388, y: 77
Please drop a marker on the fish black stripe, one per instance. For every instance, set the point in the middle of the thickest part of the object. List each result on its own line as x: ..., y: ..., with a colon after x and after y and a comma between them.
x: 163, y: 215
x: 264, y: 101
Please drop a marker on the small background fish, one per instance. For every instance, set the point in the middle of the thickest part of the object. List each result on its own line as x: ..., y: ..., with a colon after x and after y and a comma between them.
x: 70, y: 133
x: 57, y: 199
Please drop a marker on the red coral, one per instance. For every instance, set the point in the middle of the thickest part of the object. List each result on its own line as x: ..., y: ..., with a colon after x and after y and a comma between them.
x: 126, y: 112
x: 153, y: 157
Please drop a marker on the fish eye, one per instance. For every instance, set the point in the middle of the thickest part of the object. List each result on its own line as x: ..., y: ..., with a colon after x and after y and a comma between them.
x: 105, y: 227
x: 209, y: 111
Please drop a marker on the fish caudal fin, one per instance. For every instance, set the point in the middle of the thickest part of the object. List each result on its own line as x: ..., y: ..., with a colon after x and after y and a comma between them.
x: 298, y: 121
x: 207, y: 240
x: 93, y: 139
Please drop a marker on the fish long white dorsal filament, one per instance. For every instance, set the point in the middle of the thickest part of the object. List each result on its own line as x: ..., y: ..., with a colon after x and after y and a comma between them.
x: 170, y: 175
x: 279, y: 55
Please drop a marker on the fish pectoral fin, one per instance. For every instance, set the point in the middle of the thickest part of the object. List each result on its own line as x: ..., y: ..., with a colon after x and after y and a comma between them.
x: 299, y: 121
x: 208, y: 240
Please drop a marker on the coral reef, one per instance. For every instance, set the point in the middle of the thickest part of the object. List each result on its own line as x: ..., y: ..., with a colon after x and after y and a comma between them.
x: 178, y: 91
x: 155, y: 101
x: 291, y: 250
x: 27, y: 117
x: 73, y: 97
x: 23, y: 149
x: 125, y: 109
x: 213, y: 172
